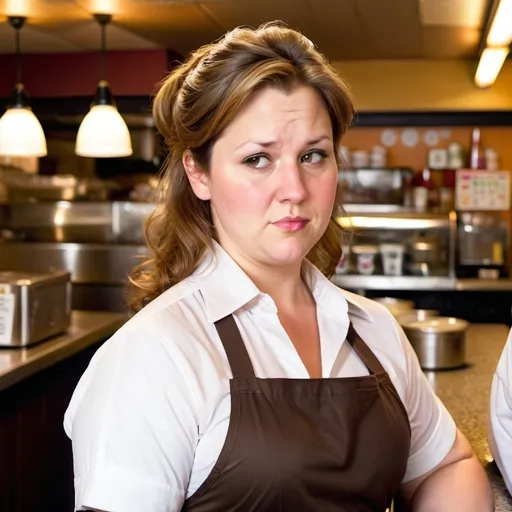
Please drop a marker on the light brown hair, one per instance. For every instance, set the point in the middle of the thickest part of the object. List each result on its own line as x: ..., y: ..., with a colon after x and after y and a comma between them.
x: 195, y: 103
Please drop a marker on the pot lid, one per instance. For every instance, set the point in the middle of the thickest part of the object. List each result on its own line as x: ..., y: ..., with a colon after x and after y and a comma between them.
x: 438, y: 325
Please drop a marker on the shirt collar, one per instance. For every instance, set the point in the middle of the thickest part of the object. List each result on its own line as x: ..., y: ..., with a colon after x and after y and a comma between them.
x: 225, y: 288
x: 334, y: 302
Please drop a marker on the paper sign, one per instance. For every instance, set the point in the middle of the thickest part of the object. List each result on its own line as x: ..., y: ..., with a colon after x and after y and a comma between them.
x: 6, y: 317
x: 482, y: 190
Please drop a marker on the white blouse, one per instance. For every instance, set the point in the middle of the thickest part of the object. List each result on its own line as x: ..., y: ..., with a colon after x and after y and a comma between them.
x: 500, y: 431
x: 150, y: 415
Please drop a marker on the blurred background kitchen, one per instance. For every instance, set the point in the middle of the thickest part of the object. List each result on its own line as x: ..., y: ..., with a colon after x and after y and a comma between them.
x: 425, y: 180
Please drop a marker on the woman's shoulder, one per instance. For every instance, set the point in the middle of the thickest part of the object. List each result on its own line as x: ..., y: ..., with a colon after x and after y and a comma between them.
x: 153, y: 358
x: 373, y: 317
x: 379, y: 330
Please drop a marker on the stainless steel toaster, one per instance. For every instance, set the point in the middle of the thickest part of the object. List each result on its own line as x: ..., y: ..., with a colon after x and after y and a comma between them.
x: 33, y: 306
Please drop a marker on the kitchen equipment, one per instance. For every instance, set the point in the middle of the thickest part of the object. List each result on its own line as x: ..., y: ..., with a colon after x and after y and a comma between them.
x: 396, y: 306
x: 392, y: 258
x: 365, y: 255
x: 483, y: 239
x: 374, y: 186
x: 76, y: 222
x: 425, y: 250
x: 418, y: 269
x: 33, y: 306
x: 440, y: 343
x: 22, y: 187
x: 416, y: 315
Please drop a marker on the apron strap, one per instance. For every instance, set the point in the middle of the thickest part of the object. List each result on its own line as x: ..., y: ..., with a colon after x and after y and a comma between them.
x: 238, y: 357
x: 363, y: 351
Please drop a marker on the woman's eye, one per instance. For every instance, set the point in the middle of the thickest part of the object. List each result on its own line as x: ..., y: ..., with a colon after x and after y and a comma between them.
x: 314, y: 157
x: 258, y: 161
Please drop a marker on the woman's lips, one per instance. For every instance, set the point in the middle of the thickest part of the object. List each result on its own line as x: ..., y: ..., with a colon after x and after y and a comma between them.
x: 291, y: 223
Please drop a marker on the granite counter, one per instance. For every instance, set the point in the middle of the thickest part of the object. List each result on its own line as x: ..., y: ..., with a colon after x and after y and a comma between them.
x: 465, y: 393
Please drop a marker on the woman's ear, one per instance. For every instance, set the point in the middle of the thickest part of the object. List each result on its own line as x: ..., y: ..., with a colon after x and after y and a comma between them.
x: 196, y: 176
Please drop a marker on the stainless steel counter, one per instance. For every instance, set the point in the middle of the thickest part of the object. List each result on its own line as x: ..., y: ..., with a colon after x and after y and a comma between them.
x: 87, y: 328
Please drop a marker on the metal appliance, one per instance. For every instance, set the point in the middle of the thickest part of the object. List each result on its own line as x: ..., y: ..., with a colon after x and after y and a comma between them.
x: 439, y: 342
x: 483, y: 240
x: 33, y: 306
x: 98, y: 243
x: 427, y: 240
x: 375, y: 186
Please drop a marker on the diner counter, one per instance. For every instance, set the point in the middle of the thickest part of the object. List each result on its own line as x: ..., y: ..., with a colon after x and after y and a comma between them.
x: 466, y: 392
x: 87, y: 328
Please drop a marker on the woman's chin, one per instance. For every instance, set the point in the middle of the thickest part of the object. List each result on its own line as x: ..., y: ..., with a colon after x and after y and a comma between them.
x: 287, y: 252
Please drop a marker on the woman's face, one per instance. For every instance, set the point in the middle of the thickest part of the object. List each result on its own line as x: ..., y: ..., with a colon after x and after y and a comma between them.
x: 273, y: 176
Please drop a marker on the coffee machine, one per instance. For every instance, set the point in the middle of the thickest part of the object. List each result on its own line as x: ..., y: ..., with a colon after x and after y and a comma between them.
x: 482, y: 249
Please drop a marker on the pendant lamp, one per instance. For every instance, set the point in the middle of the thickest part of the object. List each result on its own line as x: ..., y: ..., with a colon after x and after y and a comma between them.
x: 21, y: 134
x: 103, y: 132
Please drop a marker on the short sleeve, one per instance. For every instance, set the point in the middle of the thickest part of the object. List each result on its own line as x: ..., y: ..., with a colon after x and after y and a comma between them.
x: 433, y: 430
x: 500, y: 431
x: 133, y: 426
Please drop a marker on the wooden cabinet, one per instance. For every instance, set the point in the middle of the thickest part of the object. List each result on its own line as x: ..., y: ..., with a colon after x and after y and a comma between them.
x: 36, y: 468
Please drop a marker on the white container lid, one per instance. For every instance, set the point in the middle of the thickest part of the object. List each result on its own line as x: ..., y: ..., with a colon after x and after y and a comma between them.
x: 365, y: 249
x: 391, y: 247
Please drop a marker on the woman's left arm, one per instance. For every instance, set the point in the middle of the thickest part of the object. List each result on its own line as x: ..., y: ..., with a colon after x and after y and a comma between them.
x: 459, y: 482
x: 443, y: 474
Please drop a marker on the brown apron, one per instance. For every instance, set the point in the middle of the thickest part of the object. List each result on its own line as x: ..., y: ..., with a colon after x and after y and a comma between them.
x: 315, y: 445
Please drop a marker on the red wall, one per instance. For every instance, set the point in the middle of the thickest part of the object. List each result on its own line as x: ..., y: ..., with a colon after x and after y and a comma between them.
x: 130, y: 73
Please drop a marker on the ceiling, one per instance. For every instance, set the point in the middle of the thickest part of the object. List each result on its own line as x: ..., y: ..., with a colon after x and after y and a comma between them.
x: 342, y: 29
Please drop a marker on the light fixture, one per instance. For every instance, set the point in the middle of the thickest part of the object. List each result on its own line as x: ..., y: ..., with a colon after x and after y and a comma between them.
x: 500, y: 32
x: 103, y: 132
x: 489, y: 66
x: 21, y: 134
x: 498, y: 36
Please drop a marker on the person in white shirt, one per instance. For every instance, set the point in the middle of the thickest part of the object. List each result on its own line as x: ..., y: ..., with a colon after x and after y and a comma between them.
x: 500, y: 424
x: 247, y: 381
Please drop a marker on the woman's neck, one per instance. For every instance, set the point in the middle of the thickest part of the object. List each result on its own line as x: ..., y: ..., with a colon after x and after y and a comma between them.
x: 283, y: 283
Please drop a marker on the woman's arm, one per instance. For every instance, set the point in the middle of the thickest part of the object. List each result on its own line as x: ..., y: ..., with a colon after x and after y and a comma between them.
x: 443, y: 474
x: 459, y: 482
x: 133, y: 424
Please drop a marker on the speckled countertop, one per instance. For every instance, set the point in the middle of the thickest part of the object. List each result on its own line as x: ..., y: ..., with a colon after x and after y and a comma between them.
x: 466, y: 395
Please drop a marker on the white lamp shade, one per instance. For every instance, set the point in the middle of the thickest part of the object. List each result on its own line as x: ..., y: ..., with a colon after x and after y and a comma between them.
x: 21, y: 134
x: 103, y: 134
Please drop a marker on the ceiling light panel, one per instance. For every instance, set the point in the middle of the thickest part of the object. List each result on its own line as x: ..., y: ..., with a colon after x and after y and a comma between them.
x: 453, y: 13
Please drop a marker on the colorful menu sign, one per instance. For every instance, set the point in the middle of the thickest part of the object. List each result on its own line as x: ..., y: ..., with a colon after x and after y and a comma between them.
x: 482, y: 190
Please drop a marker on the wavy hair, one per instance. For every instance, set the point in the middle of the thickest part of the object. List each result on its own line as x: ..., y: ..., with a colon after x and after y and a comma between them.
x: 194, y: 104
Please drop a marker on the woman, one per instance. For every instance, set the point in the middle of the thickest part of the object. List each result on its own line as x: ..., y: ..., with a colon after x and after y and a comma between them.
x: 500, y: 424
x: 248, y: 381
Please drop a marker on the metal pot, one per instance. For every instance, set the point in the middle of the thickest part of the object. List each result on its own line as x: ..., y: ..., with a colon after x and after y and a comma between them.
x: 425, y: 250
x: 440, y: 343
x: 416, y: 315
x: 396, y: 306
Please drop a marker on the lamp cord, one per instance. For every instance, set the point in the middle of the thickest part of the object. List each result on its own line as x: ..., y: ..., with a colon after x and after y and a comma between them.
x: 17, y: 46
x: 103, y: 51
